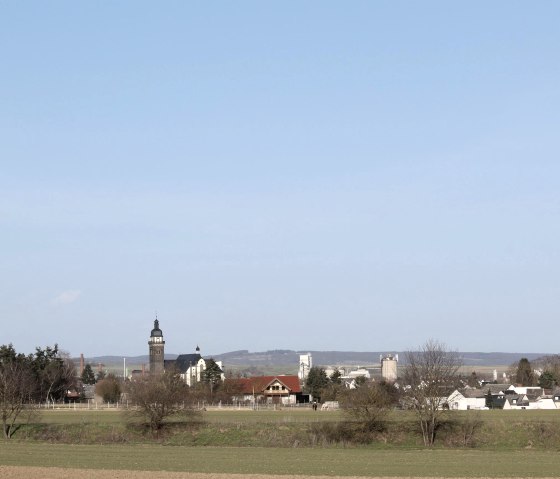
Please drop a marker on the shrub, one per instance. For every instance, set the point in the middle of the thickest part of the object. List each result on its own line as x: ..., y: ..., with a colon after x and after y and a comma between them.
x: 367, y: 406
x: 159, y: 397
x: 109, y: 389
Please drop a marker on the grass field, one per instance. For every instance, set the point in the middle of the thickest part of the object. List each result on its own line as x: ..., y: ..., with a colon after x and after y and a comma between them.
x: 512, y: 444
x: 287, y: 415
x: 216, y: 415
x: 310, y: 462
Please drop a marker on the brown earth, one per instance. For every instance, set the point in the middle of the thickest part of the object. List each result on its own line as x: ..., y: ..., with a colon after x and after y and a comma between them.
x: 17, y: 472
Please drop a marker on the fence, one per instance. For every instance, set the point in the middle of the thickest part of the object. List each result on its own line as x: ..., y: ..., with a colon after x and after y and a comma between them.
x: 94, y: 405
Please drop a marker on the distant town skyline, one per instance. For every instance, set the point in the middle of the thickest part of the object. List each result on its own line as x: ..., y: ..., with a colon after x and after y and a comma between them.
x: 317, y: 176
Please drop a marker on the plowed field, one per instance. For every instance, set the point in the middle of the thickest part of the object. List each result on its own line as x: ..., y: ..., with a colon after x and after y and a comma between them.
x: 16, y: 472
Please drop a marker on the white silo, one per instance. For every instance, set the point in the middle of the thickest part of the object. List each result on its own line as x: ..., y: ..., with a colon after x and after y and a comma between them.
x: 305, y: 363
x: 389, y: 367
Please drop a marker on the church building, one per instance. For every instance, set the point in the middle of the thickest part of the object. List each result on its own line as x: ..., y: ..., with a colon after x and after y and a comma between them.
x: 189, y: 366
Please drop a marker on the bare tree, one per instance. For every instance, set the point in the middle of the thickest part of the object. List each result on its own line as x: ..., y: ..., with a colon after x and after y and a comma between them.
x: 367, y: 405
x: 230, y: 389
x: 17, y: 386
x: 159, y: 397
x: 430, y: 375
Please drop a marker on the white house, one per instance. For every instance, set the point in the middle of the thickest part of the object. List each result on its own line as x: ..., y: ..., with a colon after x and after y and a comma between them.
x: 516, y: 401
x: 468, y: 399
x: 544, y: 402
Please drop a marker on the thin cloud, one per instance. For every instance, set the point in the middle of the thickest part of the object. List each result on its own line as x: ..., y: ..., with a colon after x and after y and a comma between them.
x: 67, y: 297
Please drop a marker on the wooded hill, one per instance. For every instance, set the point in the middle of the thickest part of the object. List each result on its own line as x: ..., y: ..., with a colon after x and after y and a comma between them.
x: 270, y: 360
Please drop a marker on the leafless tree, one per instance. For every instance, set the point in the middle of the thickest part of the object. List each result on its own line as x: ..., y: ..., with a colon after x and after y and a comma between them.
x: 367, y: 405
x: 17, y: 386
x: 159, y: 397
x: 431, y: 373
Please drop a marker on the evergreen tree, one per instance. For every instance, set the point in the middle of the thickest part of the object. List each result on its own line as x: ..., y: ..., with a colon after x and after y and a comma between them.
x: 316, y: 381
x: 212, y: 376
x: 334, y: 388
x: 213, y: 373
x: 336, y: 377
x: 54, y: 372
x: 88, y: 377
x: 547, y: 380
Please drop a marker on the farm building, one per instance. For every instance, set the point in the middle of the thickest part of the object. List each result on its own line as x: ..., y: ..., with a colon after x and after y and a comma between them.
x: 270, y: 389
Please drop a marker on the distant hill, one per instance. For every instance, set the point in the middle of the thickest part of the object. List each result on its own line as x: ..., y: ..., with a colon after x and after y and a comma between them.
x: 288, y: 360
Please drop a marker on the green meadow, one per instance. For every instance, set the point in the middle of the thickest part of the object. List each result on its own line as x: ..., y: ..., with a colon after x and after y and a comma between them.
x: 306, y: 461
x: 289, y: 441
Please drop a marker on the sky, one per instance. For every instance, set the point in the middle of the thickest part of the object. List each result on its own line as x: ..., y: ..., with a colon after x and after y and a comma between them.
x: 358, y: 176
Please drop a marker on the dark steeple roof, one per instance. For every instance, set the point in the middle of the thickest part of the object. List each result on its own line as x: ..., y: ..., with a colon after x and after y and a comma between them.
x: 156, y: 331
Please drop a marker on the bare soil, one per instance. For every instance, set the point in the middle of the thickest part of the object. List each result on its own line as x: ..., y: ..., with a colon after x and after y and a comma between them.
x: 17, y: 472
x: 20, y: 472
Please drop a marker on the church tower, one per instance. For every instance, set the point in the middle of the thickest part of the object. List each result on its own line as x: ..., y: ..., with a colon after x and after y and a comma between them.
x: 156, y: 344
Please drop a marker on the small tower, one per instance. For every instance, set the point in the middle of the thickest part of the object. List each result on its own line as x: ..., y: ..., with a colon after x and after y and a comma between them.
x: 156, y: 345
x: 305, y: 363
x: 389, y: 367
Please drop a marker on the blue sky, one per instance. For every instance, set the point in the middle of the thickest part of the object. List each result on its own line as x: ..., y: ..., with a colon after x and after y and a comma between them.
x: 301, y: 175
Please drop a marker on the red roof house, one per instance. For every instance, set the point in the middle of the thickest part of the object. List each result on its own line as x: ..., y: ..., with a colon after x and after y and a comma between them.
x: 274, y: 389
